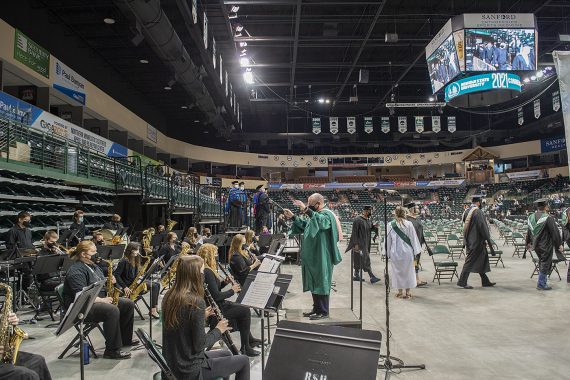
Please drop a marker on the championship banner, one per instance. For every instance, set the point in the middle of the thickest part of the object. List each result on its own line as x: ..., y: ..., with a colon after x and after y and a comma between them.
x: 436, y: 124
x: 368, y: 126
x: 537, y: 108
x: 227, y: 83
x: 402, y: 124
x: 316, y: 125
x: 195, y: 11
x: 419, y: 124
x: 451, y: 126
x: 351, y: 124
x: 520, y: 115
x: 562, y: 63
x: 205, y: 31
x: 333, y: 121
x: 221, y: 71
x: 556, y: 101
x: 385, y: 124
x: 214, y: 51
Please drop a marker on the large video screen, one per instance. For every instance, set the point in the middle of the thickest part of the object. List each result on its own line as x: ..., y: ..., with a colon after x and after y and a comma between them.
x: 443, y: 64
x: 500, y: 49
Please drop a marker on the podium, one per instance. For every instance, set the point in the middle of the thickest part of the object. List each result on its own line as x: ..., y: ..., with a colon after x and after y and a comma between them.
x: 322, y: 352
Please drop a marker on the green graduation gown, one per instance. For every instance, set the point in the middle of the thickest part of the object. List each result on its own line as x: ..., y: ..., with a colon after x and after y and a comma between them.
x: 319, y: 251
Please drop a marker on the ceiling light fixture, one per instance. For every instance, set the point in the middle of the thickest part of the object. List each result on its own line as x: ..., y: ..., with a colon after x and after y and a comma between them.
x: 196, y: 121
x: 533, y: 77
x: 327, y: 101
x: 306, y: 100
x: 242, y: 44
x: 431, y: 98
x: 244, y: 61
x: 248, y: 77
x: 167, y: 88
x: 184, y: 107
x: 526, y: 80
x: 109, y: 20
x: 321, y: 100
x: 539, y: 74
x: 145, y: 61
x: 243, y: 53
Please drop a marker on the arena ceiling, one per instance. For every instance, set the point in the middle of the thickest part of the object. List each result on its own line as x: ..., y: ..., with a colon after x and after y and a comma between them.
x: 299, y: 51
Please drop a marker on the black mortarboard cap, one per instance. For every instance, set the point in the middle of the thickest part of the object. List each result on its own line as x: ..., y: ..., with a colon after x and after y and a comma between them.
x: 258, y: 187
x: 234, y: 182
x: 541, y: 202
x: 476, y: 198
x: 410, y: 205
x: 367, y: 208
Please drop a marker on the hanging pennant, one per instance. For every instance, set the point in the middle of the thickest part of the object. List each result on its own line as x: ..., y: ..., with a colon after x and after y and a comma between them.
x: 436, y: 124
x: 402, y: 124
x: 231, y: 96
x: 520, y: 116
x: 385, y: 124
x: 351, y: 124
x: 333, y: 125
x: 451, y: 126
x: 316, y: 125
x: 368, y: 126
x: 537, y: 108
x: 419, y: 124
x: 227, y: 83
x: 214, y: 51
x: 556, y: 101
x: 221, y: 71
x: 205, y: 30
x: 195, y: 11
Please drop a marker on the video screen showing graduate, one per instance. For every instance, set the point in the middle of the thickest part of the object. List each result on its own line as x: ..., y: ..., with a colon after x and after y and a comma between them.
x: 443, y: 64
x: 500, y: 49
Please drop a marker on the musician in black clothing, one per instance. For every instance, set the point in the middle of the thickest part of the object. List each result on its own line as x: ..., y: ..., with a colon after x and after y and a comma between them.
x: 241, y: 263
x: 115, y: 223
x: 126, y: 273
x: 49, y: 281
x: 79, y: 226
x: 117, y: 319
x: 183, y: 339
x: 20, y: 237
x: 237, y: 314
x: 98, y: 238
x: 170, y: 248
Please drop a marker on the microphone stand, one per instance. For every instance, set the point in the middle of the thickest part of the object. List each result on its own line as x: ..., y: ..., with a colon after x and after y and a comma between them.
x: 387, y: 363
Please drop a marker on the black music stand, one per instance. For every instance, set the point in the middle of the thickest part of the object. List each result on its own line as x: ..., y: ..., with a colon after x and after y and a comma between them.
x: 321, y: 351
x: 157, y: 240
x: 67, y: 236
x: 166, y: 267
x: 116, y: 251
x: 148, y: 276
x: 76, y: 313
x: 179, y: 233
x: 46, y: 265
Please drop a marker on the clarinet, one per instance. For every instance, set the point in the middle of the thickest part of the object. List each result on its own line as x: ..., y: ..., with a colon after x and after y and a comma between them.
x: 218, y: 313
x: 228, y: 275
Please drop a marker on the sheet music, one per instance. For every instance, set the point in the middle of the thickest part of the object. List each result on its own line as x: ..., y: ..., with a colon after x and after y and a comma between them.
x: 269, y: 265
x: 260, y: 290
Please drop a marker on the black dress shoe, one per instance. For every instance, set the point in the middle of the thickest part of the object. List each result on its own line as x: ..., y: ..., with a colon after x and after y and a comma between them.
x: 465, y: 286
x: 250, y: 352
x: 308, y: 314
x: 255, y: 342
x: 490, y: 284
x: 318, y: 316
x: 117, y: 355
x: 134, y: 342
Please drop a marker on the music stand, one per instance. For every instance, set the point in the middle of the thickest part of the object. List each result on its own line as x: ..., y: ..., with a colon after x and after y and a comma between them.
x: 178, y: 233
x: 46, y: 265
x: 320, y: 352
x: 148, y: 276
x: 157, y: 240
x: 116, y: 251
x: 103, y: 251
x: 76, y: 313
x: 66, y: 236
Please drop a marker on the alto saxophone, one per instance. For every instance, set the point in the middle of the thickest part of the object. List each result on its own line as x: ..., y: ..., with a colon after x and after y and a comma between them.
x: 135, y: 287
x: 171, y: 274
x: 10, y: 336
x: 112, y: 291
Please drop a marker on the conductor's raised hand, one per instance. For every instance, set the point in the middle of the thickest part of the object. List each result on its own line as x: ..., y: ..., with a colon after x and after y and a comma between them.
x: 299, y: 204
x: 288, y: 213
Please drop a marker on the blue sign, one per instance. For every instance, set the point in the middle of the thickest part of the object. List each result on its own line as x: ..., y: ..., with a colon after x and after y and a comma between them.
x: 483, y: 82
x: 553, y: 144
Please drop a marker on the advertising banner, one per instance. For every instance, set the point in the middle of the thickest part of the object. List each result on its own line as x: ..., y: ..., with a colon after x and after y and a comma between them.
x: 31, y: 54
x: 68, y: 82
x: 499, y: 20
x: 351, y: 124
x: 419, y: 124
x: 402, y: 124
x: 43, y: 121
x: 552, y: 144
x: 524, y: 175
x: 483, y: 82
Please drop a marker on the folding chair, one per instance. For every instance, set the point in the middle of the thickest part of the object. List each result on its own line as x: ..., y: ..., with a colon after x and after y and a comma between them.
x: 87, y: 328
x: 508, y: 236
x: 519, y: 243
x: 156, y: 356
x: 536, y: 262
x: 498, y: 255
x: 455, y: 246
x: 445, y: 269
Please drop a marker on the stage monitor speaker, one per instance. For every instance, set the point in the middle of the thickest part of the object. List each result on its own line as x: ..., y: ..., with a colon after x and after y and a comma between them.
x: 363, y: 76
x: 318, y: 352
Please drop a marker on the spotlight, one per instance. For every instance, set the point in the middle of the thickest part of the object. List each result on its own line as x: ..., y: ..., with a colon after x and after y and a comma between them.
x: 144, y: 61
x: 321, y: 100
x: 184, y: 107
x: 248, y: 77
x: 539, y: 74
x: 526, y: 80
x: 327, y: 101
x: 167, y: 88
x: 234, y: 9
x: 306, y: 100
x: 431, y: 98
x: 533, y: 77
x: 242, y: 44
x: 109, y: 21
x: 244, y: 61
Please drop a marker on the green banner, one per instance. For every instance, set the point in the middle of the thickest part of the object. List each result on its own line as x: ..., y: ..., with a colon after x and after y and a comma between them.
x: 31, y: 54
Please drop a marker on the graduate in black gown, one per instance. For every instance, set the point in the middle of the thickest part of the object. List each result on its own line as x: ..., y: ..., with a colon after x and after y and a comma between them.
x: 475, y: 236
x: 360, y: 242
x: 414, y: 217
x: 262, y: 209
x: 544, y: 238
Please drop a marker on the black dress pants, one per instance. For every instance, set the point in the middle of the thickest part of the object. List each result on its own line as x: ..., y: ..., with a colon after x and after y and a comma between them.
x: 117, y: 322
x: 28, y: 367
x: 221, y: 363
x: 240, y: 316
x: 321, y: 303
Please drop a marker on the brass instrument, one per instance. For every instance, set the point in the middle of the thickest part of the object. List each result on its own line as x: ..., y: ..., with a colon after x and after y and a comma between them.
x: 147, y: 236
x: 170, y: 224
x: 171, y: 274
x: 10, y: 336
x: 112, y: 291
x: 135, y: 287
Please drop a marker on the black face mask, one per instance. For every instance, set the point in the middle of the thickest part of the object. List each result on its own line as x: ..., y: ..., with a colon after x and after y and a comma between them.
x: 50, y: 244
x: 313, y: 208
x: 27, y: 223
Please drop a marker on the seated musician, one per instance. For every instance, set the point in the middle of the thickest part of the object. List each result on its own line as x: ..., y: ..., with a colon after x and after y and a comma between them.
x: 251, y: 245
x: 160, y: 229
x: 49, y: 281
x: 28, y: 366
x: 240, y: 261
x: 117, y: 319
x: 98, y: 238
x: 115, y: 223
x: 206, y: 232
x: 184, y: 341
x: 20, y: 237
x: 126, y: 274
x: 192, y: 237
x: 170, y: 248
x: 238, y: 314
x: 79, y: 225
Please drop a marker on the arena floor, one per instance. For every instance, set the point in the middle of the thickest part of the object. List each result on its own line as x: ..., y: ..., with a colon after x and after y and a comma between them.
x: 511, y: 331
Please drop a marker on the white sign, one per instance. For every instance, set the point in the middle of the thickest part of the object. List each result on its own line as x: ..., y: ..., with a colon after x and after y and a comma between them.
x: 385, y: 125
x: 451, y: 126
x: 221, y: 71
x: 419, y: 124
x: 214, y: 51
x: 520, y: 116
x: 537, y: 108
x: 151, y: 133
x: 527, y: 174
x: 556, y: 101
x: 69, y: 82
x: 498, y: 20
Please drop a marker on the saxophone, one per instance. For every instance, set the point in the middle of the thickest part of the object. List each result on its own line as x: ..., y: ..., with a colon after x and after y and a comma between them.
x: 135, y: 287
x: 171, y: 274
x: 147, y: 236
x: 10, y: 336
x: 112, y: 291
x: 170, y: 224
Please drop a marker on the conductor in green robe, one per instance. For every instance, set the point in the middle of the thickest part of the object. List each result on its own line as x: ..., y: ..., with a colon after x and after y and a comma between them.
x: 319, y: 251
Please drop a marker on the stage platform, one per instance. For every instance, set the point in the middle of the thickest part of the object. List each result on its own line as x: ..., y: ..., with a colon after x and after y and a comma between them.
x: 343, y: 317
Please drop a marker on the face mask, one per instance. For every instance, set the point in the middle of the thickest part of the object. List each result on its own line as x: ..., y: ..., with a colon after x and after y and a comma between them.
x: 26, y: 223
x: 80, y: 219
x: 236, y: 186
x: 313, y: 208
x: 50, y: 244
x: 241, y: 188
